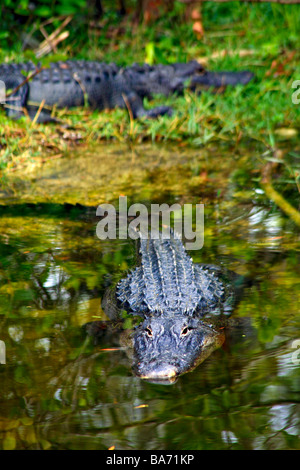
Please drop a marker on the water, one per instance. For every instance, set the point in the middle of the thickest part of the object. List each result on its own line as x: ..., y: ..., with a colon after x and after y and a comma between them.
x: 60, y: 391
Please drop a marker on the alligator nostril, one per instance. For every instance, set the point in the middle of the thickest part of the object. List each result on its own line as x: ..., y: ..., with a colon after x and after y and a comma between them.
x: 148, y: 331
x: 161, y: 372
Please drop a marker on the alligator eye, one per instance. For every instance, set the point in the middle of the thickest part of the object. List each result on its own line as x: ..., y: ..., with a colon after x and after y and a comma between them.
x: 148, y: 331
x: 185, y: 330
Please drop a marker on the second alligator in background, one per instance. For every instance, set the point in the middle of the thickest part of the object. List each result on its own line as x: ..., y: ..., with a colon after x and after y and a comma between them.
x: 37, y: 90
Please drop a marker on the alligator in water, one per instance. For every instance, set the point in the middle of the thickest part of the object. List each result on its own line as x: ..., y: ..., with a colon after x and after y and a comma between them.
x: 37, y: 90
x: 183, y: 305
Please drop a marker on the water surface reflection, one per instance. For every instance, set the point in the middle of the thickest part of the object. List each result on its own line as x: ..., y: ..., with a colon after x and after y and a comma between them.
x: 60, y: 391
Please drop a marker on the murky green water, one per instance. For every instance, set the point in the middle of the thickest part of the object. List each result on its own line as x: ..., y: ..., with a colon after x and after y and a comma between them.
x: 59, y: 391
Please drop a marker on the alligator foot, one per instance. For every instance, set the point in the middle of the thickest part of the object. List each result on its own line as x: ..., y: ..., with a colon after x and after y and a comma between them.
x: 159, y: 111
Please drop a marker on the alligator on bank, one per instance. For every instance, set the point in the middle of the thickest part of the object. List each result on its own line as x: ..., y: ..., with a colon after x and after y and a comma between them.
x: 183, y: 306
x: 37, y: 90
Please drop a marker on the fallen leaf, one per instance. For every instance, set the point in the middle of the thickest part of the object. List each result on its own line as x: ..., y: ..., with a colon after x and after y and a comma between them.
x: 198, y: 29
x: 286, y: 132
x: 195, y: 15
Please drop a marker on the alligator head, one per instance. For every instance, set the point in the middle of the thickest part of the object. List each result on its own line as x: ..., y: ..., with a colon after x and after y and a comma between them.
x: 168, y: 346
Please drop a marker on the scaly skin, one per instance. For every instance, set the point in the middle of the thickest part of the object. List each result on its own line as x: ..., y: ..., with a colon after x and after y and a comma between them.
x: 103, y: 86
x: 175, y: 296
x: 168, y: 282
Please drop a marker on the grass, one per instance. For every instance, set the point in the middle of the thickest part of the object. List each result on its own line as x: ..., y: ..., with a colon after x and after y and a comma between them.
x: 262, y: 110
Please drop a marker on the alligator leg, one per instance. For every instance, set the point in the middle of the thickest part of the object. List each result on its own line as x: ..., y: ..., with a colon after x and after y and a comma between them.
x: 136, y: 109
x: 41, y: 115
x: 158, y: 111
x: 16, y: 95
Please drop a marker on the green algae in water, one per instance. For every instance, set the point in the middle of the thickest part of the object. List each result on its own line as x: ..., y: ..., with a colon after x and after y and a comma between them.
x: 59, y: 391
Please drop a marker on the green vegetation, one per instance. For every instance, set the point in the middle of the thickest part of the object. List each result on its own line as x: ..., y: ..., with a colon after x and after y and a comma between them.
x: 236, y: 152
x: 262, y: 38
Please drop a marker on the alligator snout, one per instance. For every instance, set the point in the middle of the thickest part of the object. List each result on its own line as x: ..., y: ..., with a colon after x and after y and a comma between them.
x: 161, y: 371
x: 156, y: 371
